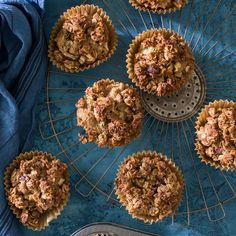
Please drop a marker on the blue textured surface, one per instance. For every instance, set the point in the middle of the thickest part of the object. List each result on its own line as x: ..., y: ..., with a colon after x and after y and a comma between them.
x: 195, y: 25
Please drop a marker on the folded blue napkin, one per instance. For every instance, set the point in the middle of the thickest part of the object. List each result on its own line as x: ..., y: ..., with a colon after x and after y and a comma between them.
x: 23, y: 63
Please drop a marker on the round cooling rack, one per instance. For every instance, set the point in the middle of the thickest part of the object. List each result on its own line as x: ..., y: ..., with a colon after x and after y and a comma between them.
x: 209, y: 28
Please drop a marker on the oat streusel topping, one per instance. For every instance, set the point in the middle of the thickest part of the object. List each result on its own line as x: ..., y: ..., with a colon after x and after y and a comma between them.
x: 111, y: 113
x: 83, y: 40
x: 163, y: 63
x: 217, y: 137
x: 148, y: 186
x: 38, y: 185
x: 161, y: 4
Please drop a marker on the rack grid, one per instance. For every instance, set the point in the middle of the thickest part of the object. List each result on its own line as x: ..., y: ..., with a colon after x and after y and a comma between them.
x: 207, y: 189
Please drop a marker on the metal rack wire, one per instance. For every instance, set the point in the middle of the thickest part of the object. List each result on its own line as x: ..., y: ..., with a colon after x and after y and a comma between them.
x: 206, y: 189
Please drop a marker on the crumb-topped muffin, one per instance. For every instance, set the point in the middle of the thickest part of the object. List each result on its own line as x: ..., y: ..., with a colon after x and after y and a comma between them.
x: 216, y: 135
x: 160, y: 62
x: 149, y: 185
x: 159, y: 6
x: 111, y: 113
x: 82, y: 38
x: 36, y: 184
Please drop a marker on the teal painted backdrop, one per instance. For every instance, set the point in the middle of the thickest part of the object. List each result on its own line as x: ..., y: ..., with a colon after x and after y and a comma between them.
x: 216, y: 27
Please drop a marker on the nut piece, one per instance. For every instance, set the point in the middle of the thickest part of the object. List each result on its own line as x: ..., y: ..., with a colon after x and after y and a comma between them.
x: 156, y: 5
x: 216, y: 138
x: 37, y: 186
x: 162, y: 62
x: 111, y: 113
x: 149, y: 186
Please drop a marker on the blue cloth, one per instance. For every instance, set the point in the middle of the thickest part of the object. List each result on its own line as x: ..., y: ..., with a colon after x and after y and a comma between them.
x: 23, y: 63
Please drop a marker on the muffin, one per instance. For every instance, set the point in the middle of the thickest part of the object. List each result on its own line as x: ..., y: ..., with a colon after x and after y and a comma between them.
x: 160, y: 62
x: 111, y: 113
x: 159, y: 6
x: 149, y: 185
x: 82, y: 38
x: 216, y: 135
x: 37, y: 188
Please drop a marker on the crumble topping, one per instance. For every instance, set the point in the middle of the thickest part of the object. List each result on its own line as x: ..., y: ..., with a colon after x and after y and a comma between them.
x: 161, y: 4
x: 163, y: 63
x: 148, y: 186
x: 217, y: 137
x: 83, y: 40
x: 111, y: 113
x: 38, y: 185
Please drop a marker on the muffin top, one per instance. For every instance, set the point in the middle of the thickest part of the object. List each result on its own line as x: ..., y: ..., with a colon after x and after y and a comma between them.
x: 149, y: 186
x: 111, y: 113
x: 82, y: 40
x: 36, y: 186
x: 163, y: 62
x: 160, y: 4
x: 217, y: 137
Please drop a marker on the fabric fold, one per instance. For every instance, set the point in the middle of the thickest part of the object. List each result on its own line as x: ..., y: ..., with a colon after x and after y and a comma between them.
x: 23, y: 64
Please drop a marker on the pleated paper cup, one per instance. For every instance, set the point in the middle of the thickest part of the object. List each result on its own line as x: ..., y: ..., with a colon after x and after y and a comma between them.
x: 91, y: 9
x: 158, y: 11
x: 49, y: 215
x: 201, y: 120
x: 174, y: 169
x: 130, y: 57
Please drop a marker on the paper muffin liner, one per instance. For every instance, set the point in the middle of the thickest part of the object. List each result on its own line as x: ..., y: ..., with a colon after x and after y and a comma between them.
x: 46, y: 217
x: 74, y: 10
x: 133, y: 49
x: 201, y: 120
x: 175, y: 169
x: 161, y: 11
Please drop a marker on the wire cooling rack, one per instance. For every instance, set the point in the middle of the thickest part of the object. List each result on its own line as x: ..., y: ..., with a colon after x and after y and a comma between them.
x: 168, y: 127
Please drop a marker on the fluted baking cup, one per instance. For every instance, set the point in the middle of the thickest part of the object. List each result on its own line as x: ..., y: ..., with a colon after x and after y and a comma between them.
x: 130, y: 57
x: 58, y: 26
x: 159, y: 11
x: 201, y: 120
x: 47, y: 216
x: 174, y: 169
